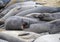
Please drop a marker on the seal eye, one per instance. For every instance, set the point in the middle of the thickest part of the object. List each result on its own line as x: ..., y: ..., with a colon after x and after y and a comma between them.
x: 25, y: 25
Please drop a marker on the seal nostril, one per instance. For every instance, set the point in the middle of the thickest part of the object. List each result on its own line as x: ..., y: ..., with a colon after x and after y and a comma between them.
x: 23, y: 34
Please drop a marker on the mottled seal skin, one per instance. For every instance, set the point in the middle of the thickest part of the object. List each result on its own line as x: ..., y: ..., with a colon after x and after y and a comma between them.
x: 51, y: 27
x: 40, y: 9
x: 19, y: 23
x: 49, y: 38
x: 9, y: 38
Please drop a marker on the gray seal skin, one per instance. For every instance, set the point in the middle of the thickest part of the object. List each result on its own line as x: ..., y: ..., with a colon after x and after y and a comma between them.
x: 19, y: 23
x: 51, y: 27
x: 48, y: 38
x: 40, y: 9
x: 1, y: 40
x: 9, y: 38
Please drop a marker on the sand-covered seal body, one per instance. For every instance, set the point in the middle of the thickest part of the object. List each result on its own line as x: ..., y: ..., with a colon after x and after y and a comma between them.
x: 9, y: 38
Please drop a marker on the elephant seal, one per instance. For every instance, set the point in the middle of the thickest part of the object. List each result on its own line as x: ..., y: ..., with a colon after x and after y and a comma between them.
x: 22, y: 35
x: 1, y: 40
x: 48, y: 38
x: 19, y: 23
x: 38, y: 28
x: 40, y: 9
x: 51, y: 27
x: 9, y: 38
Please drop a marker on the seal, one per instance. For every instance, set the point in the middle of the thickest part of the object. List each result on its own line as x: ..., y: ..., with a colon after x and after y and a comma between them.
x: 19, y: 23
x: 20, y: 35
x: 52, y: 27
x: 9, y: 38
x: 38, y: 28
x: 49, y: 16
